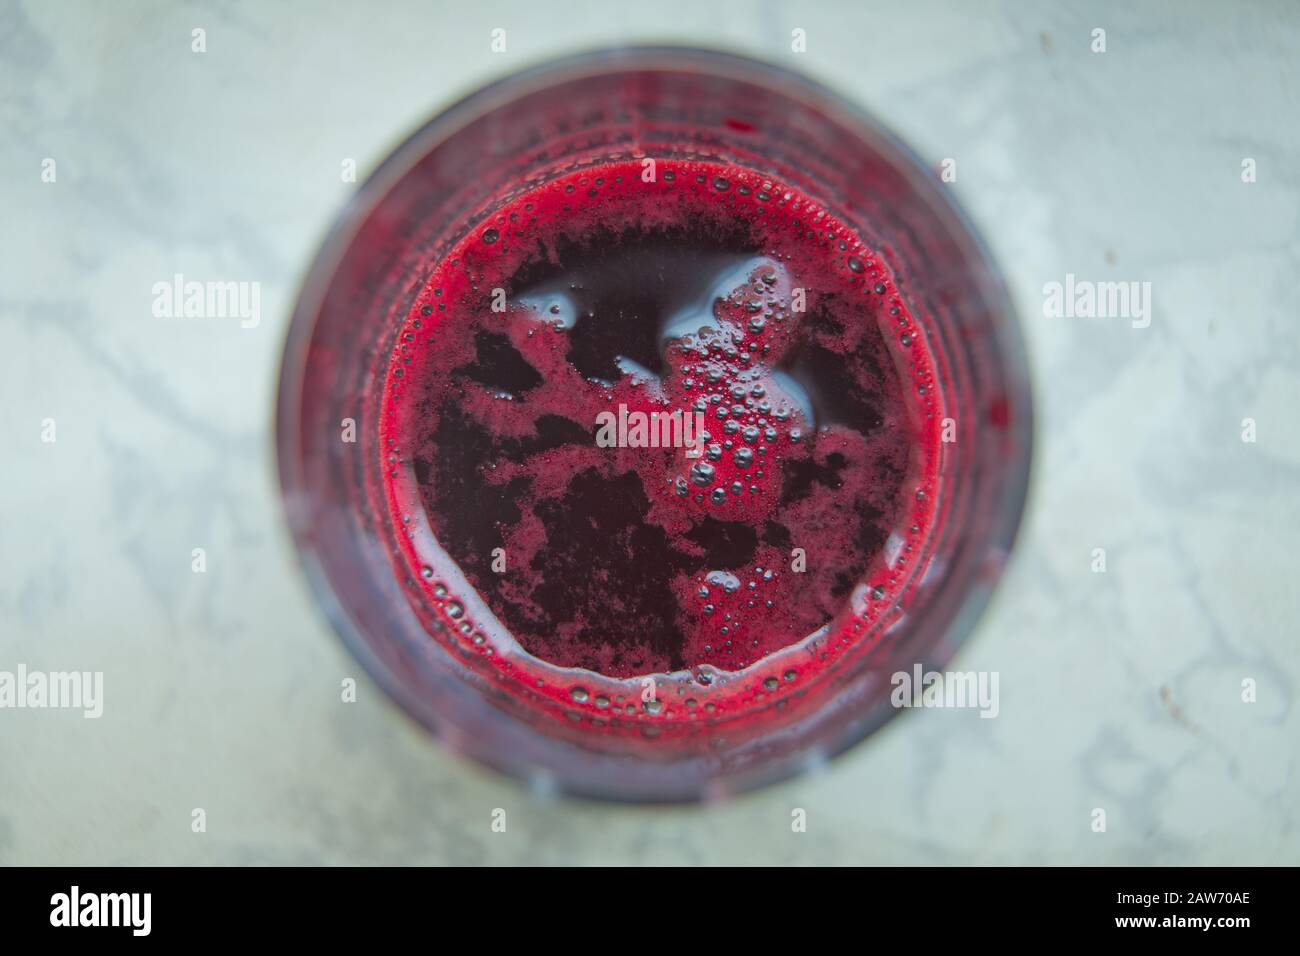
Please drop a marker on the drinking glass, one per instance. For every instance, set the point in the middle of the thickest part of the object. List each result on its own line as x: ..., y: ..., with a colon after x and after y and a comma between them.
x: 587, y: 110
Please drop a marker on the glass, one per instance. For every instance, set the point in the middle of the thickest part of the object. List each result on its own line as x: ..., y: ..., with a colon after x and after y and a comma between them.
x: 627, y: 104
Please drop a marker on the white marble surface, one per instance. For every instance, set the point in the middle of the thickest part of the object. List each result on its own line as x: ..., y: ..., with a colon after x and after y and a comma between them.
x: 1119, y: 690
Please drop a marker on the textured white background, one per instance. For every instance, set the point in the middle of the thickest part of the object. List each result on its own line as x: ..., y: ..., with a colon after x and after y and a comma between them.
x: 1119, y: 690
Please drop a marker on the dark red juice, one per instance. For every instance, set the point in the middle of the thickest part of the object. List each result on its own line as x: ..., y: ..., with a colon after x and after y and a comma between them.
x: 731, y: 572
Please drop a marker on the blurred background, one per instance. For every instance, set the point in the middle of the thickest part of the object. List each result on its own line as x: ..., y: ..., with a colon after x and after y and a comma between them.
x: 1120, y: 690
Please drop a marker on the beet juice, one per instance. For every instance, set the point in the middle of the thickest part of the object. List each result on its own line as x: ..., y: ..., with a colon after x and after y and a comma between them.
x: 732, y: 570
x: 642, y: 415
